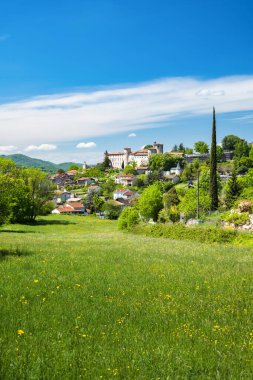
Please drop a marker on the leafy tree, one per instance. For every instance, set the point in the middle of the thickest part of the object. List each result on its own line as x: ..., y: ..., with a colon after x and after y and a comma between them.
x: 204, y: 179
x: 7, y: 166
x: 174, y: 149
x: 108, y: 188
x: 229, y: 142
x: 92, y: 173
x: 164, y: 162
x: 148, y: 146
x: 98, y: 203
x: 112, y: 210
x: 129, y: 169
x: 251, y: 153
x: 32, y: 193
x: 241, y: 149
x: 213, y: 185
x: 5, y: 198
x: 60, y: 171
x: 219, y: 153
x: 150, y: 202
x: 73, y: 167
x: 232, y: 190
x: 128, y: 218
x: 170, y: 198
x: 201, y: 147
x: 188, y: 204
x: 181, y: 147
x: 188, y: 150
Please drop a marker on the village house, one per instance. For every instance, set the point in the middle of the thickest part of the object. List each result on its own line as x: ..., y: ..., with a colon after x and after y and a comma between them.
x: 84, y: 181
x: 71, y: 173
x: 61, y: 196
x: 70, y: 208
x: 124, y: 193
x: 125, y: 179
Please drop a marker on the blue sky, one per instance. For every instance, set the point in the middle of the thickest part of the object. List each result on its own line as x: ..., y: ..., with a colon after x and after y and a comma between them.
x: 98, y: 71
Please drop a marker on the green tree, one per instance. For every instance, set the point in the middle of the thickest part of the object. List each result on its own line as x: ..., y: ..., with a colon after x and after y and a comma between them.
x: 229, y: 142
x: 150, y: 202
x: 148, y: 146
x: 188, y: 204
x: 181, y: 148
x: 219, y: 153
x: 201, y: 147
x: 73, y: 167
x: 5, y: 198
x: 188, y: 150
x: 98, y: 203
x: 32, y: 192
x: 108, y: 187
x: 232, y: 190
x: 174, y: 149
x: 112, y: 210
x: 241, y: 149
x: 170, y: 198
x: 213, y: 186
x: 128, y: 218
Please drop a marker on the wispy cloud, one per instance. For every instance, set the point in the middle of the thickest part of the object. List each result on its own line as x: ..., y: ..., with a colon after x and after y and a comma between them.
x: 132, y: 135
x: 7, y: 148
x: 107, y: 111
x: 46, y: 147
x: 4, y: 37
x: 84, y: 145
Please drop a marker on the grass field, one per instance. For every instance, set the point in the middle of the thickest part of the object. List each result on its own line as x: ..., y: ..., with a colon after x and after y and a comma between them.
x: 78, y: 299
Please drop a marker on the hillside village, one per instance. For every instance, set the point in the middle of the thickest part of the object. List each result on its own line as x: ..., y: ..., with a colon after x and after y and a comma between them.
x: 107, y: 188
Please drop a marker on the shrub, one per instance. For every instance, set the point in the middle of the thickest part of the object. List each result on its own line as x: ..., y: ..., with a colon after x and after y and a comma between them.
x: 128, y: 218
x: 180, y: 232
x: 238, y: 219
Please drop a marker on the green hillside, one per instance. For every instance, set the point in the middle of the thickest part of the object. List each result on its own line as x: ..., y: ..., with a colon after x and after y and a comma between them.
x: 22, y: 160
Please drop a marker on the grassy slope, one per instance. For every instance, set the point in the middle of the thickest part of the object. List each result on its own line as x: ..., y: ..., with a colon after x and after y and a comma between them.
x: 96, y: 303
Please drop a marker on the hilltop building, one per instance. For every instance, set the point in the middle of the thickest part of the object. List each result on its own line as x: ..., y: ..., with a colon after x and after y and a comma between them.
x: 120, y: 160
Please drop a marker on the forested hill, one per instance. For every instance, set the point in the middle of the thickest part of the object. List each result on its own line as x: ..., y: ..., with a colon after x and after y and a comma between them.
x: 24, y: 161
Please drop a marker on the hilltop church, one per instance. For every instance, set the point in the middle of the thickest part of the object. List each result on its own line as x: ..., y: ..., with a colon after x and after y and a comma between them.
x: 141, y: 157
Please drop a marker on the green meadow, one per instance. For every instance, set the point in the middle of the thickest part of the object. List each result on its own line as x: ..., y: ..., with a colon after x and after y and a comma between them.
x: 79, y: 299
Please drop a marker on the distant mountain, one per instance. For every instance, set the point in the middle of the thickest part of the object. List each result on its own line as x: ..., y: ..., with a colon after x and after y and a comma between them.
x: 24, y: 161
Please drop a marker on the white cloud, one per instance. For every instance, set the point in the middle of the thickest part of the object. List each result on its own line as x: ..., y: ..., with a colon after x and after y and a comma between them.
x: 132, y: 135
x: 84, y: 145
x: 107, y: 111
x: 4, y: 37
x: 31, y: 148
x: 7, y: 148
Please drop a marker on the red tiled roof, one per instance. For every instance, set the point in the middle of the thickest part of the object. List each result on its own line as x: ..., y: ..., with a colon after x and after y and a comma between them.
x: 83, y: 179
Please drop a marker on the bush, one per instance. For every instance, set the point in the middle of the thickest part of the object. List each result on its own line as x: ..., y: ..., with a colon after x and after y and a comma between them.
x: 180, y: 232
x: 128, y: 219
x: 236, y: 218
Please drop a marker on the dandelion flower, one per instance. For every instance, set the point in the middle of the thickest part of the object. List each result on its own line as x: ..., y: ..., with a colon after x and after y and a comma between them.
x: 20, y: 332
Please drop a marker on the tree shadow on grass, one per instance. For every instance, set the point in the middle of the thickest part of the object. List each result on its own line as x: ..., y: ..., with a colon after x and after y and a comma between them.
x: 44, y: 222
x: 18, y: 252
x: 17, y: 232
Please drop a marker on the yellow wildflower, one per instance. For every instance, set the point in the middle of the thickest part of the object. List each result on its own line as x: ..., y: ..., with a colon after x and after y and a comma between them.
x: 20, y: 332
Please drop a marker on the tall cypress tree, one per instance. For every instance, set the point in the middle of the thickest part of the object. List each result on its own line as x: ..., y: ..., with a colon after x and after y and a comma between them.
x: 213, y: 186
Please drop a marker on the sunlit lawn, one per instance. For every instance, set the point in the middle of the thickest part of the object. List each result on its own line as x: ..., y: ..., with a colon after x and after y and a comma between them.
x: 81, y: 300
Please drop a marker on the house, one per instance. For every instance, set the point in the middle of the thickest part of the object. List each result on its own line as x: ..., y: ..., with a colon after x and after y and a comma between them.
x: 62, y: 196
x: 123, y: 194
x: 125, y: 179
x: 177, y: 170
x: 142, y: 170
x: 70, y: 208
x: 174, y: 178
x: 84, y: 181
x: 60, y: 179
x: 71, y: 173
